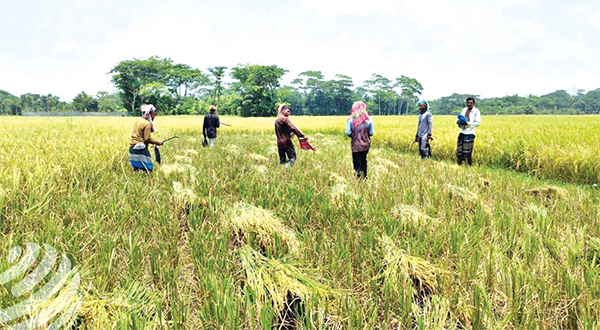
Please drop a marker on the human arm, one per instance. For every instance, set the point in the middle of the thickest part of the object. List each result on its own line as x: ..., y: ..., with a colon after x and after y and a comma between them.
x: 294, y: 129
x: 429, y: 125
x: 371, y: 127
x: 205, y: 127
x: 476, y: 119
x: 349, y: 127
x: 148, y: 136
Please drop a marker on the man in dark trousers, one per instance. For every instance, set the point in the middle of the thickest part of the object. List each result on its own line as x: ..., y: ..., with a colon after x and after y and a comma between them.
x: 284, y: 130
x: 211, y: 123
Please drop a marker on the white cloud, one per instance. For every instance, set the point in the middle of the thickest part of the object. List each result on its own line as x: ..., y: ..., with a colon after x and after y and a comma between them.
x: 359, y: 8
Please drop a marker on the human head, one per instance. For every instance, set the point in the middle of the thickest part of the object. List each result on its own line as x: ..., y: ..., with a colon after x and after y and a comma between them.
x: 212, y: 108
x: 284, y: 110
x: 358, y: 108
x: 470, y: 102
x: 423, y: 106
x: 148, y: 111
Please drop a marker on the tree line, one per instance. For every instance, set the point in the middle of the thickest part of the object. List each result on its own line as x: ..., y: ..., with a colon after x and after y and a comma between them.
x: 255, y: 90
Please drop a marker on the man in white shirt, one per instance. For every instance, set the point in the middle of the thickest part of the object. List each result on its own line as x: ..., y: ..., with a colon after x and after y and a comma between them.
x: 466, y: 138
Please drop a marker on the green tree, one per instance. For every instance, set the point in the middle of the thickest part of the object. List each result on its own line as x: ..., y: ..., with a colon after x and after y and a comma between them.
x: 409, y: 89
x: 257, y: 85
x: 216, y: 82
x: 85, y: 102
x: 131, y: 76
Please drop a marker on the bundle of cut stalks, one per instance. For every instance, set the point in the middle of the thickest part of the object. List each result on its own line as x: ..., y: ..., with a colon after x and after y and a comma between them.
x: 387, y: 163
x: 247, y: 219
x: 338, y: 178
x: 272, y: 280
x: 422, y: 273
x: 183, y: 159
x: 233, y: 149
x: 463, y: 197
x: 341, y: 194
x: 549, y: 192
x: 411, y: 215
x: 191, y: 152
x: 183, y: 197
x: 169, y: 169
x: 258, y: 158
x: 262, y: 169
x: 107, y: 311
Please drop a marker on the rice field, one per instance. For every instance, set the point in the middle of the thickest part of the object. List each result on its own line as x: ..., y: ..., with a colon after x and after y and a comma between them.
x: 225, y: 238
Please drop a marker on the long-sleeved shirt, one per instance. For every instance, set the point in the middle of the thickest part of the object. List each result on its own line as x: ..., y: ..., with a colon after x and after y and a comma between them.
x: 425, y: 124
x: 211, y: 123
x: 141, y: 133
x: 284, y: 129
x: 361, y: 134
x: 474, y: 120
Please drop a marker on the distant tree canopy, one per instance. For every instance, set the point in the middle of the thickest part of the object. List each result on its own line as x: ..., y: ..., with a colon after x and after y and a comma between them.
x: 255, y: 90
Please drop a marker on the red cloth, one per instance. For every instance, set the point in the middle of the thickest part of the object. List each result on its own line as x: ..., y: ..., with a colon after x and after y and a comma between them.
x: 304, y: 145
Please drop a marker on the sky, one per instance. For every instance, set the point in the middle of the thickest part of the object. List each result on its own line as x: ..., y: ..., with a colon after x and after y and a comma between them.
x: 478, y: 47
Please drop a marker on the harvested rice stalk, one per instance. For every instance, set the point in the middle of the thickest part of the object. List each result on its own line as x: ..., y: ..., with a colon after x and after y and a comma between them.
x: 536, y: 211
x: 183, y: 159
x: 262, y: 169
x: 105, y: 312
x: 246, y: 219
x: 338, y: 178
x: 341, y: 193
x: 422, y: 273
x: 485, y: 182
x: 411, y: 215
x: 268, y: 279
x: 464, y: 198
x: 191, y: 152
x: 549, y: 192
x: 183, y: 198
x: 258, y: 158
x: 387, y: 163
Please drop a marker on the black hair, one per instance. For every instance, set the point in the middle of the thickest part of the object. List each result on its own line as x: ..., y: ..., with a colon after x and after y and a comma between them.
x: 470, y: 98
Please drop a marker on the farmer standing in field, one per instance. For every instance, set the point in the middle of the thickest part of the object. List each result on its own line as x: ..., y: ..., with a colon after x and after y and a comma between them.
x: 209, y: 128
x: 359, y: 127
x: 139, y: 156
x: 468, y: 119
x: 284, y: 130
x: 424, y: 129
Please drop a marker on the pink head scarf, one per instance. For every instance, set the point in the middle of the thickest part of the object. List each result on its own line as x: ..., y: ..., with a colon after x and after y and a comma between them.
x: 359, y: 114
x: 147, y: 109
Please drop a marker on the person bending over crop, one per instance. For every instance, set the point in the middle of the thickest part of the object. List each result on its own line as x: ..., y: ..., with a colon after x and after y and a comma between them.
x: 468, y: 119
x: 209, y: 128
x: 359, y: 127
x: 139, y: 156
x: 424, y: 129
x: 284, y: 130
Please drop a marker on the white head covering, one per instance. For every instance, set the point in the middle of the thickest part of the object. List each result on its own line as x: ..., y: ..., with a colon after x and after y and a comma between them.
x: 147, y: 109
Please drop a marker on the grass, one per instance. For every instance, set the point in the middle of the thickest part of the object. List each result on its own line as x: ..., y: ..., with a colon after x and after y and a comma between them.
x: 497, y: 248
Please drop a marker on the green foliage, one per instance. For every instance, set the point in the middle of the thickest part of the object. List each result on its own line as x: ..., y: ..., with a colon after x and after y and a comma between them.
x: 257, y: 85
x: 85, y: 102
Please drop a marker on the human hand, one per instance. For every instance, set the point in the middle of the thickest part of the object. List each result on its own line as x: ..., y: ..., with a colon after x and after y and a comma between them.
x: 159, y: 143
x: 430, y: 137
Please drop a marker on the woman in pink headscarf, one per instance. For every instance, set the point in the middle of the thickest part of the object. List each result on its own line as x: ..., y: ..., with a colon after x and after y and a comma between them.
x: 359, y: 127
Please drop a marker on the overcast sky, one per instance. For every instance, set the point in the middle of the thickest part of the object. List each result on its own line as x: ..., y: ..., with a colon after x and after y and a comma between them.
x: 487, y: 48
